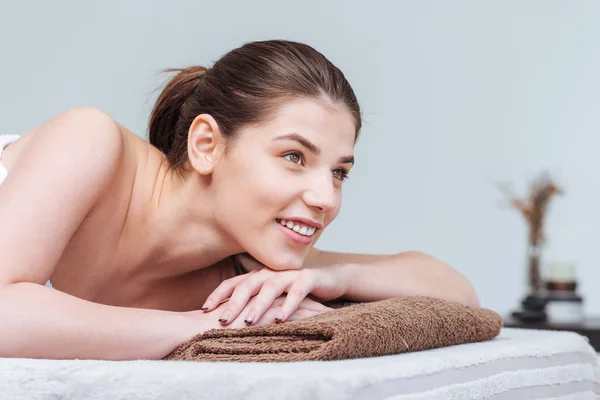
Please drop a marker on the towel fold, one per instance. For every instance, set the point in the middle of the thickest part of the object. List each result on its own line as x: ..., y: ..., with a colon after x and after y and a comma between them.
x: 358, y: 330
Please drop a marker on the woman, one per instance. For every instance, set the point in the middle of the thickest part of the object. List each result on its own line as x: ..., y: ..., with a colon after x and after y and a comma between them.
x: 138, y: 239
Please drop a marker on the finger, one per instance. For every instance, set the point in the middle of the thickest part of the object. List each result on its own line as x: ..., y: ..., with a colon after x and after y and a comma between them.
x: 222, y: 292
x: 239, y: 299
x: 269, y: 292
x: 302, y: 313
x: 311, y: 304
x: 242, y: 293
x: 269, y: 316
x: 234, y: 323
x: 295, y: 295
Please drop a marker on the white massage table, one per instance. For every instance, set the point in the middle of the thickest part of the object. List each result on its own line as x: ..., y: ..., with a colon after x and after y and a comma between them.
x: 518, y: 364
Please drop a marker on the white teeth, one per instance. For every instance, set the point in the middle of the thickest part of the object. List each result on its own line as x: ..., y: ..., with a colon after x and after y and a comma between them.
x: 301, y: 229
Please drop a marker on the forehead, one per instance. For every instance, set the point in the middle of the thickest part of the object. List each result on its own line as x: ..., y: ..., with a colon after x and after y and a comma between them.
x: 330, y: 127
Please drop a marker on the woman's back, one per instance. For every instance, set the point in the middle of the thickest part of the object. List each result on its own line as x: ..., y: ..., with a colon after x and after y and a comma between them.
x: 104, y: 258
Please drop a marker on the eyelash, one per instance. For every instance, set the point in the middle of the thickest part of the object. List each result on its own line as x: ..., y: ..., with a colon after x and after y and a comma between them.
x: 344, y: 171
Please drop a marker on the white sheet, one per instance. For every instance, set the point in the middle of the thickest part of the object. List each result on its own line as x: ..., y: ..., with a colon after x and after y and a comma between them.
x: 519, y: 364
x: 5, y: 140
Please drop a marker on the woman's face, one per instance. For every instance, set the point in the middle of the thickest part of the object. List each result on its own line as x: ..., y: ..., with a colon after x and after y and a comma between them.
x: 288, y: 170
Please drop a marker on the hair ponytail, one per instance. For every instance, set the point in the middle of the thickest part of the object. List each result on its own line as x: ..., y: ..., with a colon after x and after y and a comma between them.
x: 245, y: 86
x: 162, y: 132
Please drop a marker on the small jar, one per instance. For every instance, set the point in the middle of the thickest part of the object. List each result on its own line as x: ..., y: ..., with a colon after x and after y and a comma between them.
x: 563, y: 304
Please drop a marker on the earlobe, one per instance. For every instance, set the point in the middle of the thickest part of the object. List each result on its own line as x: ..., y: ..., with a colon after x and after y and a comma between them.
x: 203, y: 137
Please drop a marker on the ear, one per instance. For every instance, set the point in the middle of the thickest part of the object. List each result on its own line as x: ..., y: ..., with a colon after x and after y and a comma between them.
x: 204, y: 143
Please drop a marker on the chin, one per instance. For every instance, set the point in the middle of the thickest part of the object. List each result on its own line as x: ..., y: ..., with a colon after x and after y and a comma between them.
x: 276, y: 248
x: 288, y: 266
x: 282, y: 262
x: 255, y: 261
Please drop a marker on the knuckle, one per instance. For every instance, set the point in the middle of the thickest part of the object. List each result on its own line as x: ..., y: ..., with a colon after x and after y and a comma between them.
x: 297, y: 292
x: 228, y: 283
x: 234, y: 305
x: 243, y: 286
x: 221, y: 286
x: 218, y: 292
x: 271, y: 285
x: 224, y: 287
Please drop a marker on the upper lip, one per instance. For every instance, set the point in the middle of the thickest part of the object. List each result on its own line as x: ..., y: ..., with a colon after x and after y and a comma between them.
x: 305, y: 221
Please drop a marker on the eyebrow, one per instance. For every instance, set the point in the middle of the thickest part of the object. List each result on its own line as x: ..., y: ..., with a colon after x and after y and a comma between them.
x: 311, y: 147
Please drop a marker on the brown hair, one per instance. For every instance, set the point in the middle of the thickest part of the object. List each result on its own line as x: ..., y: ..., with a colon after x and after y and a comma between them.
x: 245, y: 86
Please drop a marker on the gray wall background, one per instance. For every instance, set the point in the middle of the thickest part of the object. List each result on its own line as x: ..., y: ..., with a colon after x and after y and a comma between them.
x: 457, y: 95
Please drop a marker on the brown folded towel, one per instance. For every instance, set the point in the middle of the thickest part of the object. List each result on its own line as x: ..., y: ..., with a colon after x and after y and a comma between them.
x: 379, y: 328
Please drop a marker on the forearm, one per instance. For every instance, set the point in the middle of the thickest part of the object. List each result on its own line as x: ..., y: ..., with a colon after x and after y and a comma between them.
x: 406, y: 274
x: 39, y: 322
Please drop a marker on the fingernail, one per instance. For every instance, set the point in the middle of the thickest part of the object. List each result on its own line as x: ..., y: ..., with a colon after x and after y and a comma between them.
x: 279, y: 317
x: 248, y: 321
x: 226, y: 315
x: 204, y: 308
x: 206, y: 305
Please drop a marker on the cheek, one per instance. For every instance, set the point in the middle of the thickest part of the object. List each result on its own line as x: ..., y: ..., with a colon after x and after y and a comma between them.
x: 255, y: 191
x: 268, y: 190
x: 333, y: 213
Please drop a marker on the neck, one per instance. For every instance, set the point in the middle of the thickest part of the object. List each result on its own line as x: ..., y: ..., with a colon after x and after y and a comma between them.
x: 183, y: 235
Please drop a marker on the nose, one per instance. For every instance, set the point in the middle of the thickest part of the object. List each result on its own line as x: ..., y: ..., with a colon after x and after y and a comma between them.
x: 321, y: 194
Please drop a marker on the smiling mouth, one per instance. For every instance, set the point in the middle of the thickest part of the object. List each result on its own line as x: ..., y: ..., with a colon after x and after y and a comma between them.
x: 297, y: 227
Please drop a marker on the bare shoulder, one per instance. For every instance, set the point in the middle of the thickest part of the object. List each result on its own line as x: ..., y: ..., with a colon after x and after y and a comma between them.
x: 56, y: 174
x: 78, y: 134
x: 90, y: 130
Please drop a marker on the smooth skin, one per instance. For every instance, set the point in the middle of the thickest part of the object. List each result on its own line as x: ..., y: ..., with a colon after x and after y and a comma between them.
x: 81, y: 206
x: 134, y: 250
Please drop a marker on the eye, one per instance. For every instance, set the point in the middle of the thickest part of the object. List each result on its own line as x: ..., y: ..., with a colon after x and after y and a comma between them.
x: 340, y: 174
x: 294, y: 157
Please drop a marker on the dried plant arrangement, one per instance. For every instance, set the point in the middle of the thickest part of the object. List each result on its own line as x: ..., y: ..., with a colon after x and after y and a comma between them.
x: 534, y: 209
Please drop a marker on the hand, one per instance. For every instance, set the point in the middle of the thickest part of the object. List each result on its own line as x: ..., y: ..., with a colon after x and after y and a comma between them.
x: 307, y: 308
x: 265, y: 286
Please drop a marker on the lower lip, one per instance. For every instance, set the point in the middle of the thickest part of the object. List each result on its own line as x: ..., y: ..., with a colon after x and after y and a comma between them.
x: 295, y: 236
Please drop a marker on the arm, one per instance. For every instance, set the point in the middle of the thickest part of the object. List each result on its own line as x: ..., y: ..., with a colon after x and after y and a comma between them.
x: 56, y: 181
x: 378, y: 277
x: 40, y: 322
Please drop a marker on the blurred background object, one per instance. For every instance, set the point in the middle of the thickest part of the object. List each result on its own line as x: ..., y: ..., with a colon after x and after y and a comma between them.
x: 534, y: 210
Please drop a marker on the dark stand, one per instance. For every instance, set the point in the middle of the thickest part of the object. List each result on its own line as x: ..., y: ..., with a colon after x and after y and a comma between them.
x: 533, y: 309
